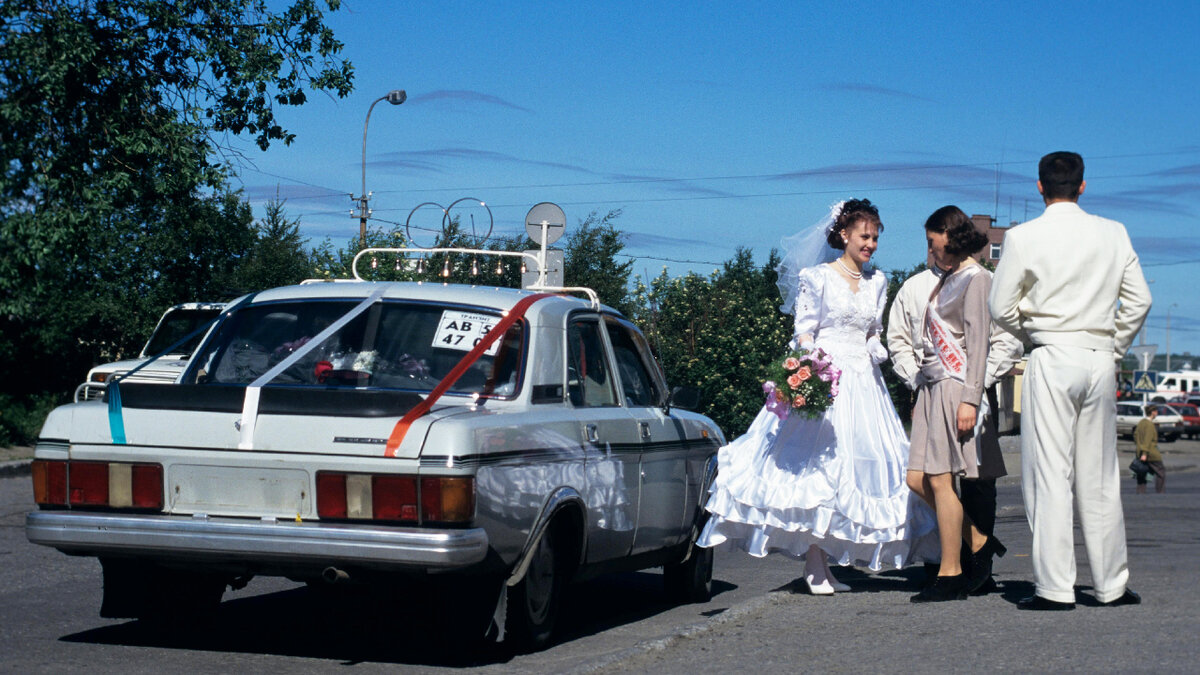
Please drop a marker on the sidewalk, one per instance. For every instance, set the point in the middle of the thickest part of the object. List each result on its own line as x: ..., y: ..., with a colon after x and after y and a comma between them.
x: 15, y: 461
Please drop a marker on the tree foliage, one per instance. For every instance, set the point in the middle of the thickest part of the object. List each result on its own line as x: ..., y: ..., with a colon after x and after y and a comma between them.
x: 717, y: 333
x: 276, y: 256
x: 591, y: 254
x: 115, y: 121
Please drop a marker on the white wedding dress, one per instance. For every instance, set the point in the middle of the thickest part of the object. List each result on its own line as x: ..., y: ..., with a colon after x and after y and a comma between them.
x: 837, y: 481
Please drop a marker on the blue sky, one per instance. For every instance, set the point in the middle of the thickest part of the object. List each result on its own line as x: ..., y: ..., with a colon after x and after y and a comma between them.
x: 718, y: 125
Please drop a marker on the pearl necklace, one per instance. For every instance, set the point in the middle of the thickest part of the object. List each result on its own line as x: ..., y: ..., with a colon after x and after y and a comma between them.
x: 847, y: 270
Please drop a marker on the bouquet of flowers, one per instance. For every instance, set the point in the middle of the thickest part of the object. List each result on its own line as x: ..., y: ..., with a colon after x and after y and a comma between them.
x: 802, y: 381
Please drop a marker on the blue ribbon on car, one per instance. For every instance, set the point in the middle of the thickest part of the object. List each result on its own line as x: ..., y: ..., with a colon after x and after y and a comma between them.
x: 116, y: 421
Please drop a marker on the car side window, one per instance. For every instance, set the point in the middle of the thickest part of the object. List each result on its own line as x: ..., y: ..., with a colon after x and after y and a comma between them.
x: 636, y: 382
x: 589, y: 377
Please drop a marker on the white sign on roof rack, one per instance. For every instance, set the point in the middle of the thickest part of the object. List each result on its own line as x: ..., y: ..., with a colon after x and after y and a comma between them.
x: 545, y: 223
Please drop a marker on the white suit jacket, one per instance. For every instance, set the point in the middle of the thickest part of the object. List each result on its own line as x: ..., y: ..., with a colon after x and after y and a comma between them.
x: 1070, y: 278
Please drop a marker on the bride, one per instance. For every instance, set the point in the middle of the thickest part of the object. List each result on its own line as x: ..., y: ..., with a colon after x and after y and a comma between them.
x: 831, y: 487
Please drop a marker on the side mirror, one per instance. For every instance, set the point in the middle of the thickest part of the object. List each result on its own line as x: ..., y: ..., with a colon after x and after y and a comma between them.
x: 687, y: 398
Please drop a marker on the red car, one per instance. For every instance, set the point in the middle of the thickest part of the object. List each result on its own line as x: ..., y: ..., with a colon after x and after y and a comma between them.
x: 1191, y: 418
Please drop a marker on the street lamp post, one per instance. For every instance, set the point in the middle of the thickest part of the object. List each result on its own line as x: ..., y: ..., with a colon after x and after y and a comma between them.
x: 395, y: 97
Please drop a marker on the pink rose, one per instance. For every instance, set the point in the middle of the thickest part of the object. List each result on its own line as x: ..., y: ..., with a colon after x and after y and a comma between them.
x: 798, y: 402
x: 794, y: 380
x: 804, y: 373
x: 791, y: 363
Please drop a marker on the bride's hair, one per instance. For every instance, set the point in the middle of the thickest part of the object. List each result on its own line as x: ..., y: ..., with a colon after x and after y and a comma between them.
x: 962, y: 237
x: 852, y: 212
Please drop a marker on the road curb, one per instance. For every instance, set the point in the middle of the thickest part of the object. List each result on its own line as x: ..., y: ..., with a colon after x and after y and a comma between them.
x: 14, y: 468
x: 690, y: 631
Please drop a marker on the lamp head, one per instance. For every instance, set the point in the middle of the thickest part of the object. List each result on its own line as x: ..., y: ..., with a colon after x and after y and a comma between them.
x: 397, y: 96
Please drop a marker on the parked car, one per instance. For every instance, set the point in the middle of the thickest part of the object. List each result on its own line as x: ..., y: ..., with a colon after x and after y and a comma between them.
x: 361, y: 432
x: 175, y: 324
x: 1191, y: 418
x: 1169, y: 423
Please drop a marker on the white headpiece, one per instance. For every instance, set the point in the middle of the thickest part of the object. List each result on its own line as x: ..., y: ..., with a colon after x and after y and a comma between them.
x: 805, y: 249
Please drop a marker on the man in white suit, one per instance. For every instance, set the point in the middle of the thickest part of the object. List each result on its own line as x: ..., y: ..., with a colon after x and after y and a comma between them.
x: 1069, y: 284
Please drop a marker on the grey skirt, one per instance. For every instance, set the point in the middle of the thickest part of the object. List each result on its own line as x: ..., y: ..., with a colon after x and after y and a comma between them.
x: 935, y: 447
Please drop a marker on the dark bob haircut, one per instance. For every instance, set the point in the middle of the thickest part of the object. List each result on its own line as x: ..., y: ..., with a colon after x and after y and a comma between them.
x: 962, y: 237
x: 852, y: 211
x: 1061, y: 175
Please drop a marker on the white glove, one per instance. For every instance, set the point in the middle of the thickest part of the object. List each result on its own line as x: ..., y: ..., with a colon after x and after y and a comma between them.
x: 807, y: 346
x: 876, y: 350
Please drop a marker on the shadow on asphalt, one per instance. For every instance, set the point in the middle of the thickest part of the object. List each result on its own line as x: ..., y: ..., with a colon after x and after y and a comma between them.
x: 370, y: 625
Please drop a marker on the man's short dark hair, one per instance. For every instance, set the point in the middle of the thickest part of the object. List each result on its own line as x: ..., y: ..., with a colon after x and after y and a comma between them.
x: 1149, y: 409
x: 1061, y: 175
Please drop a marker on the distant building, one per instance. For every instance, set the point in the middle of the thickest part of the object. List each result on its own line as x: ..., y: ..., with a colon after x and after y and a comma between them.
x: 995, y: 235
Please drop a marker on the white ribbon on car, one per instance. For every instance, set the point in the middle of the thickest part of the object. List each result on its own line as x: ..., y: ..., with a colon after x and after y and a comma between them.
x: 254, y: 389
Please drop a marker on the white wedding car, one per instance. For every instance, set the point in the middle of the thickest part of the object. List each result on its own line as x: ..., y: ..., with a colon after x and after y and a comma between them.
x: 369, y: 431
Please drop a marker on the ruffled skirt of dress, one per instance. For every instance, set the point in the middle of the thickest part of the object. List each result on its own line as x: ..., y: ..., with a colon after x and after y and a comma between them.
x: 837, y: 481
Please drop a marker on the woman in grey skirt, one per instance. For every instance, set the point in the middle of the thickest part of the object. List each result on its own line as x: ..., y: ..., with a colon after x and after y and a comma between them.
x: 946, y: 416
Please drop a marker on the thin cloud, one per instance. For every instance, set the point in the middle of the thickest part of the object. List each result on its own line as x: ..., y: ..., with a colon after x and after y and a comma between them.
x: 291, y: 192
x: 873, y: 90
x: 433, y: 160
x: 1154, y: 251
x: 656, y: 242
x: 463, y: 96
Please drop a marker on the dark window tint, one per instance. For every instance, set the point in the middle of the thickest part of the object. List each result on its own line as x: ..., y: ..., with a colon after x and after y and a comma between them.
x: 390, y: 345
x: 636, y: 383
x: 176, y: 325
x: 589, y: 381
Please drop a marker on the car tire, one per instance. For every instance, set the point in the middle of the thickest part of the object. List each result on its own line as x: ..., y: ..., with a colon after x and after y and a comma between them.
x: 691, y: 580
x: 534, y: 602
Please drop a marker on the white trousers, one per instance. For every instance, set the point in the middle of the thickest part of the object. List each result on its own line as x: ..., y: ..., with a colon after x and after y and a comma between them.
x: 1069, y: 458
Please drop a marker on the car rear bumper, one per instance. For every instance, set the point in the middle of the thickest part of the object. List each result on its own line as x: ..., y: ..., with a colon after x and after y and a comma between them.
x: 266, y: 541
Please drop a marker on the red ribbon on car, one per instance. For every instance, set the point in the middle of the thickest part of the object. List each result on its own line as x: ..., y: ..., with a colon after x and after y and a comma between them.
x: 514, y: 315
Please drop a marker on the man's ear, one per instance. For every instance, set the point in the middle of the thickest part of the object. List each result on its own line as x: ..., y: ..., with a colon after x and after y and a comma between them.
x: 1040, y: 190
x: 1082, y: 186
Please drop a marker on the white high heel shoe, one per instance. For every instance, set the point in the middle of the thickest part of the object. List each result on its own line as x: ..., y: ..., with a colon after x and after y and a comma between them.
x: 818, y: 588
x: 814, y: 572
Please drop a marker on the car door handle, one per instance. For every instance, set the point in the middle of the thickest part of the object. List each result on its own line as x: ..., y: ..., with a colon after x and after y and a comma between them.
x: 645, y: 430
x: 592, y: 434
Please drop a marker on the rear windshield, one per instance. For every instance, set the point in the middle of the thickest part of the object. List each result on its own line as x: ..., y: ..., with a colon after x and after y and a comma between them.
x: 389, y: 346
x: 174, y: 326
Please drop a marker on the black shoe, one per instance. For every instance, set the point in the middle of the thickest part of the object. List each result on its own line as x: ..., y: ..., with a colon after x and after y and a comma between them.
x: 931, y: 573
x: 1129, y: 598
x: 944, y: 588
x: 989, y: 586
x: 979, y: 570
x: 1038, y: 603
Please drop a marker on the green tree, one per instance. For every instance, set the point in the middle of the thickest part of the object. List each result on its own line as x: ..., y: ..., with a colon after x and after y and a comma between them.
x: 276, y: 256
x: 115, y: 117
x: 717, y: 333
x: 590, y: 260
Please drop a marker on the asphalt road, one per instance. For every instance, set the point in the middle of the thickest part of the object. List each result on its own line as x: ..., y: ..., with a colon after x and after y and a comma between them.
x: 49, y: 615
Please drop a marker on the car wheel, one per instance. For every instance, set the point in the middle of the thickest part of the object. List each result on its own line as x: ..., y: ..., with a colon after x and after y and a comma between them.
x: 691, y: 580
x: 533, y: 603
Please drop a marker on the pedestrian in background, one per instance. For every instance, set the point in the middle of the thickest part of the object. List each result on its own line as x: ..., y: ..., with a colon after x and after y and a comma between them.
x: 1070, y: 285
x: 1145, y: 437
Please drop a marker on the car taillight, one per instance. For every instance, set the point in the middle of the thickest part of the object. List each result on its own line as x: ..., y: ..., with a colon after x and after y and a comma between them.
x: 49, y: 482
x: 448, y: 500
x: 118, y: 485
x: 396, y: 498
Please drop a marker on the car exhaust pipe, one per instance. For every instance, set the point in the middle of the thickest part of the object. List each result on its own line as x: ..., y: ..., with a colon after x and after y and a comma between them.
x: 333, y: 575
